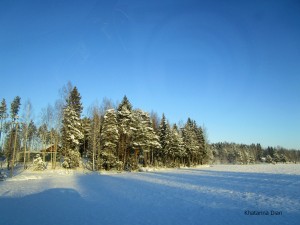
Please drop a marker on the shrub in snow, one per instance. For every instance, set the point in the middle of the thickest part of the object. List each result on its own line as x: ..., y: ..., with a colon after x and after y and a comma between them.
x: 269, y: 159
x: 283, y: 158
x: 2, y: 175
x: 66, y: 163
x: 72, y: 160
x: 119, y: 165
x: 251, y: 160
x: 38, y: 163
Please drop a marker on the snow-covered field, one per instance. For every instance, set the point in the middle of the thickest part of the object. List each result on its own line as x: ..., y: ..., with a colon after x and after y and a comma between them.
x: 223, y: 194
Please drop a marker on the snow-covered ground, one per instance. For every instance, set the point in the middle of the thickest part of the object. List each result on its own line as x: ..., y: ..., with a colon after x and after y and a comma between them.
x: 220, y: 194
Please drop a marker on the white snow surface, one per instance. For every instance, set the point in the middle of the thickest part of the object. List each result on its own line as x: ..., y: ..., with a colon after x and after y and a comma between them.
x: 221, y: 194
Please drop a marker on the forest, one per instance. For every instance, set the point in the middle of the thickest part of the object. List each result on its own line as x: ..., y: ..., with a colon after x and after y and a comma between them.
x: 115, y: 137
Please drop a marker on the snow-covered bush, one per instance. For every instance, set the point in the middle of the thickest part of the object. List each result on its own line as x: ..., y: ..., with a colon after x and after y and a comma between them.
x: 72, y: 160
x: 2, y: 175
x: 283, y: 158
x: 119, y: 165
x: 38, y: 163
x: 269, y: 159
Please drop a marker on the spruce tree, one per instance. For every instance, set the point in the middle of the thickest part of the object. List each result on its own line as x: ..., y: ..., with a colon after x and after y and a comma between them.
x: 144, y: 137
x: 190, y: 142
x: 125, y: 102
x: 176, y: 147
x: 72, y: 135
x: 202, y: 153
x: 164, y: 139
x: 109, y: 139
x: 86, y: 130
x: 276, y: 156
x: 125, y: 128
x: 152, y: 139
x: 74, y: 101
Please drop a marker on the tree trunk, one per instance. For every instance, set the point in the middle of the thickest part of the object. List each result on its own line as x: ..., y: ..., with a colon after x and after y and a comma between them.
x: 14, y: 152
x: 44, y: 152
x: 25, y: 147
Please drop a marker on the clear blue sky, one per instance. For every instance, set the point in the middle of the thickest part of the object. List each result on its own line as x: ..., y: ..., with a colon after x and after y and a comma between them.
x: 233, y: 66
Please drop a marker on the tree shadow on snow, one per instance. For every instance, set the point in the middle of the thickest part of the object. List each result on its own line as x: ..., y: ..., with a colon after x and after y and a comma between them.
x: 134, y: 199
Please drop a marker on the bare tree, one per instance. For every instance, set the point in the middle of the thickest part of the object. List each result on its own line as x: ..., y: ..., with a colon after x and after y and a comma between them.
x: 3, y: 116
x: 26, y: 117
x: 94, y: 151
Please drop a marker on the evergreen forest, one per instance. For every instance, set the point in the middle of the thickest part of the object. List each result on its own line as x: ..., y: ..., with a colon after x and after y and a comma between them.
x: 115, y: 137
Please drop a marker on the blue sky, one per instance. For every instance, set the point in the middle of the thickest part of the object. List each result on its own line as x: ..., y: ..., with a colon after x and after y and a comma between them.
x: 233, y: 66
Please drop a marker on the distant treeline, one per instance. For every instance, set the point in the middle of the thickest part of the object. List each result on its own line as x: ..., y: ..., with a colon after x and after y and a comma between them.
x: 224, y: 152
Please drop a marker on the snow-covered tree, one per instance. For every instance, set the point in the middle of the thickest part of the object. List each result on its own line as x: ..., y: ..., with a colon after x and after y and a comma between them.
x: 125, y: 128
x: 72, y: 135
x: 202, y: 152
x: 86, y: 131
x: 283, y: 158
x: 109, y: 139
x: 177, y: 146
x: 2, y: 175
x: 276, y: 157
x: 164, y: 139
x: 3, y: 116
x: 190, y: 142
x: 72, y: 159
x: 269, y: 159
x: 38, y: 163
x: 74, y: 101
x: 144, y: 137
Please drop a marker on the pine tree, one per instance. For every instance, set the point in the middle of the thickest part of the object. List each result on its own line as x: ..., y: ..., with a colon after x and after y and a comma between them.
x: 13, y: 144
x: 15, y: 107
x: 109, y: 139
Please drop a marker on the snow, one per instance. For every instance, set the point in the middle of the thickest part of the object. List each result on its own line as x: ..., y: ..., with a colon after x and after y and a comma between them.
x: 222, y: 194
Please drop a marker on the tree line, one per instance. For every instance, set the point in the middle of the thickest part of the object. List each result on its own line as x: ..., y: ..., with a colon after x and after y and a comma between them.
x: 224, y: 152
x: 111, y: 137
x: 116, y: 137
